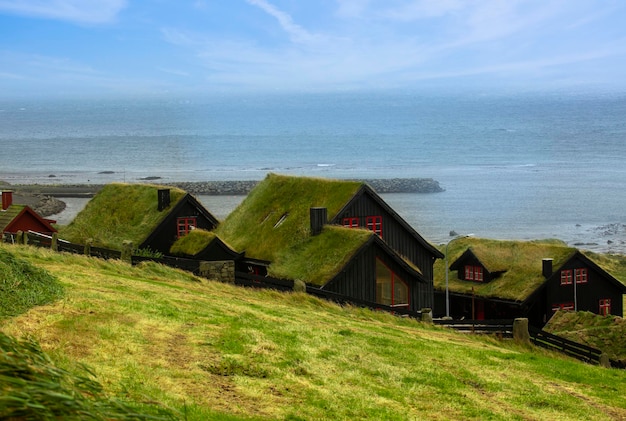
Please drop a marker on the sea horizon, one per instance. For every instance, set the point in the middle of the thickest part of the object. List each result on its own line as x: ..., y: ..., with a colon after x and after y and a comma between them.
x: 523, y: 166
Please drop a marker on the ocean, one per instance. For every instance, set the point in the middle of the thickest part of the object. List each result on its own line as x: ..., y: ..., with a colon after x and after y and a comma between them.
x: 514, y: 166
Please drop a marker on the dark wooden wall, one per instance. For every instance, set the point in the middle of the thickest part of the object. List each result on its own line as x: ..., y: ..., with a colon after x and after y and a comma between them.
x: 394, y: 234
x: 588, y: 294
x: 358, y: 280
x: 166, y: 234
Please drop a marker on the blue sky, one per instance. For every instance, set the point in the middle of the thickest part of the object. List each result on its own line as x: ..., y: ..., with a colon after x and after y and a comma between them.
x: 115, y: 47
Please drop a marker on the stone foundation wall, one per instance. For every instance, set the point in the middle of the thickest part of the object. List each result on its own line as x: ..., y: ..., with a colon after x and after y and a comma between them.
x: 222, y: 270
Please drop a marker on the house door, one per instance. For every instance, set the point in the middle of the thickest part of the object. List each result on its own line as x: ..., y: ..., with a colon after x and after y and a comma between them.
x: 480, y: 310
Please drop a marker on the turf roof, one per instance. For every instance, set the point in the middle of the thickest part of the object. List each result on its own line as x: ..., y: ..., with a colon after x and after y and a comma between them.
x: 193, y: 243
x: 273, y: 223
x: 7, y: 216
x: 521, y: 262
x: 251, y: 226
x: 120, y: 212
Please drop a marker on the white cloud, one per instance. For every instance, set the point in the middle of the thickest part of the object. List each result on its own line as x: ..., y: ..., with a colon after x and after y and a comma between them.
x: 78, y: 11
x: 296, y: 32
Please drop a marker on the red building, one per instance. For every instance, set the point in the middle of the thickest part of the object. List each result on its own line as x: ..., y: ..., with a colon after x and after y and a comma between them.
x: 14, y: 218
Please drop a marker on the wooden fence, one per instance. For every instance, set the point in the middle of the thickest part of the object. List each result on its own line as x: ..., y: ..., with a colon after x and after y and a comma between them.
x: 500, y: 328
x: 573, y: 349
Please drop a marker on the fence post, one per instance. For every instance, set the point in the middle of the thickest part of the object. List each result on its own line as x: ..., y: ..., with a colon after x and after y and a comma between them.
x: 299, y: 286
x: 87, y: 250
x: 604, y: 360
x: 427, y: 315
x: 127, y: 251
x: 520, y: 330
x: 54, y: 242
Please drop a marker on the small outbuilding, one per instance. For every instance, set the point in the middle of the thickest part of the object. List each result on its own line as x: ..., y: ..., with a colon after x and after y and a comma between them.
x: 15, y: 218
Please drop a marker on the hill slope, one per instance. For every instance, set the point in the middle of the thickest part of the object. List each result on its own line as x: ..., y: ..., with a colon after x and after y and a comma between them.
x: 215, y: 351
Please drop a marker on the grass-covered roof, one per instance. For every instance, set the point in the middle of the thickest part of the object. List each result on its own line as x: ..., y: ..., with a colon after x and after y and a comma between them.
x: 192, y: 243
x: 120, y: 212
x: 285, y: 201
x: 7, y: 216
x: 273, y: 223
x: 520, y: 262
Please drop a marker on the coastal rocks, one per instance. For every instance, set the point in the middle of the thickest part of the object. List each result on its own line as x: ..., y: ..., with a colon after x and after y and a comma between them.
x: 48, y: 205
x: 381, y: 186
x: 43, y: 205
x: 405, y: 185
x: 217, y: 188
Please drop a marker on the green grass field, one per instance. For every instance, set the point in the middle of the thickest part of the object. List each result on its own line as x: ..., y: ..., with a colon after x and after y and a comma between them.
x: 208, y: 350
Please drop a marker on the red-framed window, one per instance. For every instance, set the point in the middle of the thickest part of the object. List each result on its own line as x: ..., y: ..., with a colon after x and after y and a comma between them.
x: 473, y: 273
x: 184, y: 225
x: 566, y: 277
x: 605, y: 306
x: 375, y: 223
x: 581, y: 275
x: 351, y: 222
x: 562, y: 306
x: 391, y: 290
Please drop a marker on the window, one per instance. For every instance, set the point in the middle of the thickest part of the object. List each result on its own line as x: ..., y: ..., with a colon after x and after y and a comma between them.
x: 473, y: 273
x: 375, y: 223
x: 581, y: 276
x: 184, y: 225
x: 566, y: 277
x: 350, y: 222
x: 281, y: 220
x: 391, y: 290
x: 605, y: 307
x: 563, y: 306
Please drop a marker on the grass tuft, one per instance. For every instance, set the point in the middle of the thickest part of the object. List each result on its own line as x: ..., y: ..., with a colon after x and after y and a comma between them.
x: 23, y: 286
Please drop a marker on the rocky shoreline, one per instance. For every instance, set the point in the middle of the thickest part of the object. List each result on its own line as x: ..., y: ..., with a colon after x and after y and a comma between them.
x: 240, y: 187
x: 391, y: 185
x: 44, y: 199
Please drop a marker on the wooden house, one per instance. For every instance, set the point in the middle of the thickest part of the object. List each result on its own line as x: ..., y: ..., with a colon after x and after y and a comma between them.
x: 490, y: 279
x: 336, y: 235
x: 14, y: 218
x: 151, y: 217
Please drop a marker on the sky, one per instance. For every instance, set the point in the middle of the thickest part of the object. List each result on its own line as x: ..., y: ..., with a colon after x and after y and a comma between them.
x: 117, y: 47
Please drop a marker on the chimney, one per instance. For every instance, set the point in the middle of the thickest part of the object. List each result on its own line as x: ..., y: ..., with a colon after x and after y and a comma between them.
x: 547, y: 268
x: 7, y: 199
x: 318, y: 219
x: 163, y: 199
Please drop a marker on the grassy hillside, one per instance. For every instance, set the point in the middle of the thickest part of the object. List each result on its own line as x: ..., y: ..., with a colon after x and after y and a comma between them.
x: 603, y: 332
x: 215, y: 351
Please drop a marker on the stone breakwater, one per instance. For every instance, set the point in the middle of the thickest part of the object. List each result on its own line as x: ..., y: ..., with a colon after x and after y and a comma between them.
x: 381, y: 186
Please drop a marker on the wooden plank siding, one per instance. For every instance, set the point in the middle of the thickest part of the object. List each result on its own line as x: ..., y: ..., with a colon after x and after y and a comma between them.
x: 162, y: 238
x: 599, y: 286
x: 393, y: 232
x: 358, y: 279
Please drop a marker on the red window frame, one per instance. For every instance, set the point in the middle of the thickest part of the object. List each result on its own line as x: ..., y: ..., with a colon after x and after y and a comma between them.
x: 350, y: 222
x: 604, y: 306
x: 185, y: 224
x: 566, y: 277
x: 563, y: 306
x: 474, y: 273
x: 375, y: 223
x: 581, y: 275
x: 394, y: 280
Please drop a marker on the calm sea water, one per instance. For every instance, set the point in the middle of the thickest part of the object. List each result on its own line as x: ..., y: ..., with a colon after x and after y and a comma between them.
x: 516, y: 166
